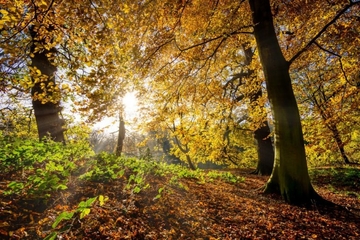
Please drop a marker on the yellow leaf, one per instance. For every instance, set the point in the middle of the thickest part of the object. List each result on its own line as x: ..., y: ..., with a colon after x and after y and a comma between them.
x: 126, y: 8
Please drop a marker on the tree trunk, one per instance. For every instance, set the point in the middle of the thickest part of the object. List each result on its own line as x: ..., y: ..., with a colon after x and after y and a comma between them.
x: 265, y: 150
x: 45, y: 101
x: 191, y: 165
x: 339, y: 142
x: 121, y: 136
x: 290, y: 175
x: 331, y: 126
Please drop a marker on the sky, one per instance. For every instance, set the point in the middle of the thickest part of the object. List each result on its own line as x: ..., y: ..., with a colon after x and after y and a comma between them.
x: 111, y: 124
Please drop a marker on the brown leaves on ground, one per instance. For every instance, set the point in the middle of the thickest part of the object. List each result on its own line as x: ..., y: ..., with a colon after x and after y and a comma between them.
x: 186, y: 209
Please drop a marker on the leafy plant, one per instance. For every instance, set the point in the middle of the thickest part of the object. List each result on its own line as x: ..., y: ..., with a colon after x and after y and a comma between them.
x: 83, y: 209
x: 105, y: 167
x: 44, y: 166
x: 159, y: 192
x: 137, y: 182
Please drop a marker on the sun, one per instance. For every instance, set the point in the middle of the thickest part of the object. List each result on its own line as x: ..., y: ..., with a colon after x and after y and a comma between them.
x: 111, y: 124
x: 130, y: 105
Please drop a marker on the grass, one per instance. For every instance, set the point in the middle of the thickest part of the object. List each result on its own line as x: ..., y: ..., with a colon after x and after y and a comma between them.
x: 342, y: 180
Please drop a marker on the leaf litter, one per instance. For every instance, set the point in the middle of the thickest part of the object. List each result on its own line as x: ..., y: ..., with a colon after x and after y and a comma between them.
x: 186, y: 209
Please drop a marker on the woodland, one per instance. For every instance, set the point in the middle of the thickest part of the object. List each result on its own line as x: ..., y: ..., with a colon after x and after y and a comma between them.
x: 246, y: 124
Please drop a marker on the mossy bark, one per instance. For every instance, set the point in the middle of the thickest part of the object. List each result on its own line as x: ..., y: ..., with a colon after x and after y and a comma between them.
x: 290, y: 175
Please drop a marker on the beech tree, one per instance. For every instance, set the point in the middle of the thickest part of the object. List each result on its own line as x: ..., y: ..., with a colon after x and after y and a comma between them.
x: 202, y: 33
x: 262, y: 133
x: 290, y: 174
x: 326, y: 89
x: 47, y: 40
x: 45, y: 98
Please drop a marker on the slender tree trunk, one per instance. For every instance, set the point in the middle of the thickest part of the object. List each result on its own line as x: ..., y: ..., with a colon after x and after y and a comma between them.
x: 339, y: 143
x: 121, y: 136
x: 290, y: 175
x: 331, y: 126
x: 191, y: 165
x: 45, y: 99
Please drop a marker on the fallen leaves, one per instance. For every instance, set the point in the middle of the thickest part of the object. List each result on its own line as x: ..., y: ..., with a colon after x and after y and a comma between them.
x: 215, y: 210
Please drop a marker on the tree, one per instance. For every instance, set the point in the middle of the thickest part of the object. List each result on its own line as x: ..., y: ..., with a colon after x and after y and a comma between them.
x: 290, y: 174
x: 262, y: 133
x: 326, y: 90
x: 45, y: 97
x: 195, y: 76
x: 67, y: 42
x: 121, y: 135
x: 211, y: 34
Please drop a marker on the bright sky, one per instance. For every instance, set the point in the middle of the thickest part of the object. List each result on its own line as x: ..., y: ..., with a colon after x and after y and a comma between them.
x: 131, y: 105
x: 111, y: 124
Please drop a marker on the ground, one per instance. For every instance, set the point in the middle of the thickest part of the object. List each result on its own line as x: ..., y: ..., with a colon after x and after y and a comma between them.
x: 185, y: 209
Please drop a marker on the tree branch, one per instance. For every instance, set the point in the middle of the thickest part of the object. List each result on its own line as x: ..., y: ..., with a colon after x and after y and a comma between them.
x: 224, y: 36
x: 336, y: 17
x: 337, y: 55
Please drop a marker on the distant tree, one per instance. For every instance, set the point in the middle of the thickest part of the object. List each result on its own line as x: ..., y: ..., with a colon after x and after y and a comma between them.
x: 121, y: 136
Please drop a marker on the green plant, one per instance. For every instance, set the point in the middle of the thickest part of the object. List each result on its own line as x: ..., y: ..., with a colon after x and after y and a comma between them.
x: 105, y: 167
x: 136, y: 182
x: 160, y: 190
x: 83, y: 209
x: 43, y: 166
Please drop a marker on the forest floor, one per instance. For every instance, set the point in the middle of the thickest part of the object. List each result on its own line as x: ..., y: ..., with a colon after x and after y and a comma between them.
x: 187, y: 209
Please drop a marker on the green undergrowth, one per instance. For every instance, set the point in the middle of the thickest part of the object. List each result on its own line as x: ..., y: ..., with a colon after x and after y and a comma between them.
x: 106, y: 167
x: 345, y: 180
x: 36, y: 170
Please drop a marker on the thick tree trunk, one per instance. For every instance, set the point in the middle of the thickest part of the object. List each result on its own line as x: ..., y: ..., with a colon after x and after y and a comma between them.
x: 47, y: 111
x: 290, y: 175
x: 265, y: 150
x: 121, y: 136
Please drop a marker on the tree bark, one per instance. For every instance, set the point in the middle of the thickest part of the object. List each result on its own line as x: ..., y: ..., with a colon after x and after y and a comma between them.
x: 265, y: 150
x: 47, y: 113
x: 290, y: 175
x: 339, y: 142
x: 191, y: 165
x: 121, y: 136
